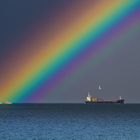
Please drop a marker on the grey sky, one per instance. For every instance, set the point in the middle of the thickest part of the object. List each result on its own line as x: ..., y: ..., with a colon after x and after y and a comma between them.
x: 118, y: 73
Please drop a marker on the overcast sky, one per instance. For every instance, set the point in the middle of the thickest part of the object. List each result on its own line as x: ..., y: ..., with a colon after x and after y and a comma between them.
x: 117, y: 73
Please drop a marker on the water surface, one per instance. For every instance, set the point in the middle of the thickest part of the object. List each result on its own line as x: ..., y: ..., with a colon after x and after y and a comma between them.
x: 70, y: 122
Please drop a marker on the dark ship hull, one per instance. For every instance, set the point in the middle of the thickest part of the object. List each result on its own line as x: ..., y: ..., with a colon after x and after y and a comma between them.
x: 121, y: 101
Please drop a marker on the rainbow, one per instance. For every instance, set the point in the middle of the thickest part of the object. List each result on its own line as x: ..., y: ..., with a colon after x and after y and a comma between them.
x: 53, y: 54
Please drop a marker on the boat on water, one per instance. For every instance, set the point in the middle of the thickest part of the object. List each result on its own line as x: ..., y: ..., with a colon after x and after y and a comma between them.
x: 7, y: 102
x: 96, y: 100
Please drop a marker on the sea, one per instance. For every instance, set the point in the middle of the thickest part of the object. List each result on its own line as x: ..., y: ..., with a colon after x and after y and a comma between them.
x: 70, y: 122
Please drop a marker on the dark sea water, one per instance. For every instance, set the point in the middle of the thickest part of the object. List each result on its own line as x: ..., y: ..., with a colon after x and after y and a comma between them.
x: 70, y: 122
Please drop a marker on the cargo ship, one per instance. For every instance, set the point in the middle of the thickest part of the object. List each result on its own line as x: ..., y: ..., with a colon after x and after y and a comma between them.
x: 95, y: 100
